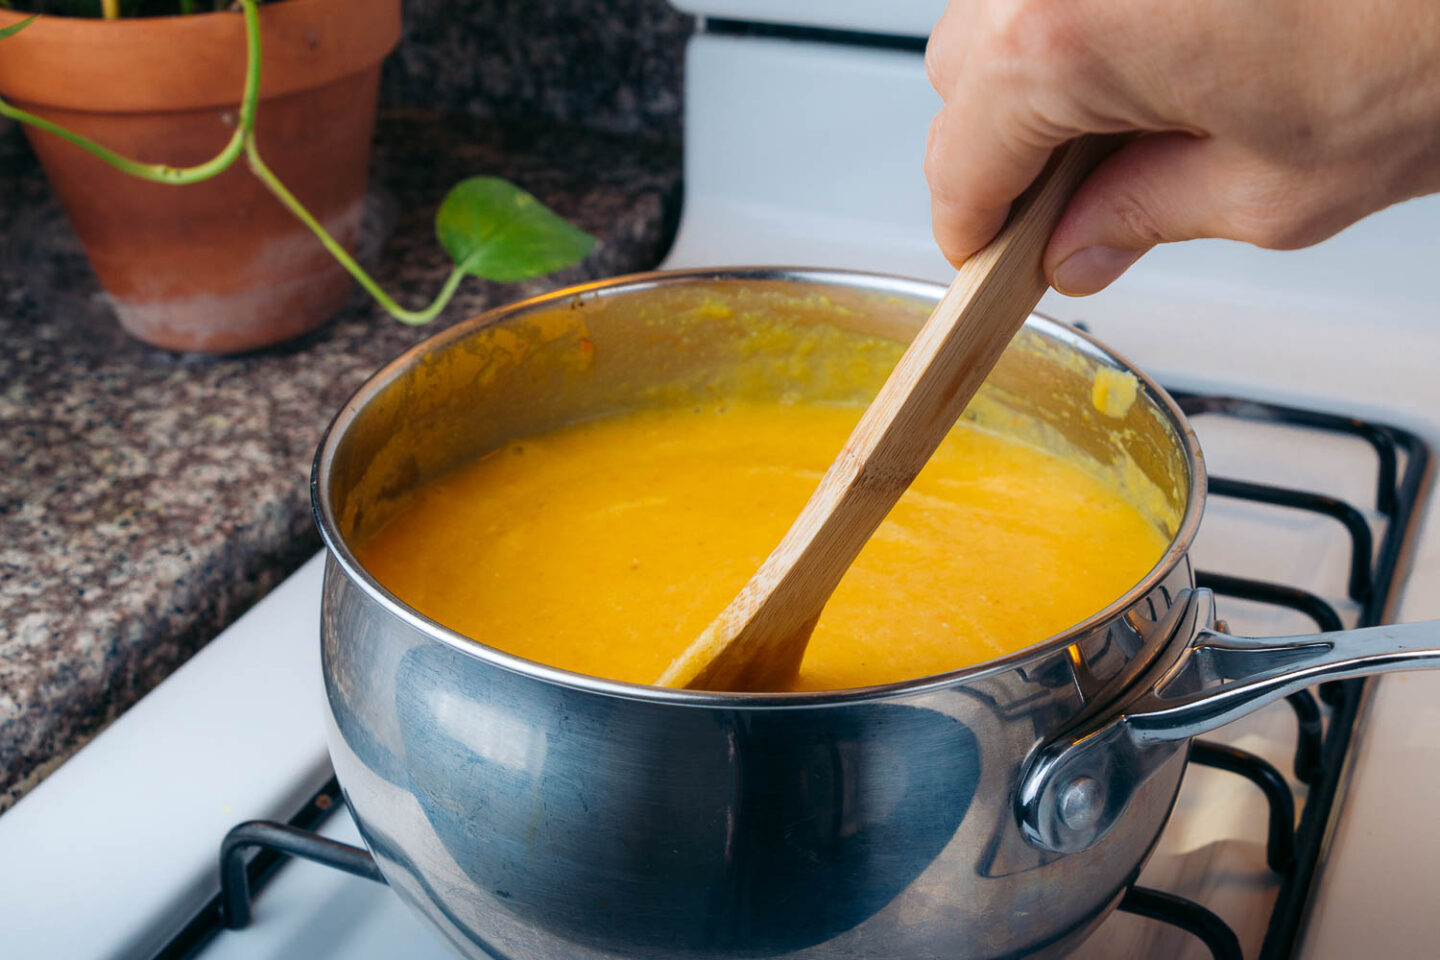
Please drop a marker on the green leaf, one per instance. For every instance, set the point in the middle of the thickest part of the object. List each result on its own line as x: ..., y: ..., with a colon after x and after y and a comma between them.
x: 495, y: 230
x: 15, y: 28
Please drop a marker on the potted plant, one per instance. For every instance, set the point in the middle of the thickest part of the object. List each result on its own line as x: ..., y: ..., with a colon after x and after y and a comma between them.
x: 151, y: 130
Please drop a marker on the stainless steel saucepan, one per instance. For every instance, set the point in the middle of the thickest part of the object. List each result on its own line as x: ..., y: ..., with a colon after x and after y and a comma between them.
x: 998, y: 811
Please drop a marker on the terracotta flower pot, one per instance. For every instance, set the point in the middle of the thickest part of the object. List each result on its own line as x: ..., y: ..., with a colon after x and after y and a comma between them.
x: 218, y: 266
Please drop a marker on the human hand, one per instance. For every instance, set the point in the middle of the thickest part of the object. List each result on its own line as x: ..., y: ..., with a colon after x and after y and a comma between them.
x: 1276, y: 122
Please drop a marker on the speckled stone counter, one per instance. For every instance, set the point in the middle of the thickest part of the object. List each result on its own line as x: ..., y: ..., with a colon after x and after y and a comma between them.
x: 146, y: 499
x: 608, y: 65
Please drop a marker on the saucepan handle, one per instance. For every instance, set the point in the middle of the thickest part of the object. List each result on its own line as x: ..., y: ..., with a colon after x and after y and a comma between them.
x: 1077, y: 786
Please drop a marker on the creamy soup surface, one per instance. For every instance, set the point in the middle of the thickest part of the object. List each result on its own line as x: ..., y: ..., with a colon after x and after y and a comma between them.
x: 605, y: 548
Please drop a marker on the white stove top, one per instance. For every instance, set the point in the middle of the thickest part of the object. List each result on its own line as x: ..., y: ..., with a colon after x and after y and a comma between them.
x: 810, y: 154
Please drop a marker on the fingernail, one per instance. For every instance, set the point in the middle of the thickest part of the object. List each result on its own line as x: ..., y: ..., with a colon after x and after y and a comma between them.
x: 1092, y: 269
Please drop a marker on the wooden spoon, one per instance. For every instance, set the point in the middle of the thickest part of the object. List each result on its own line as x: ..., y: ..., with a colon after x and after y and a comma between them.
x: 757, y: 642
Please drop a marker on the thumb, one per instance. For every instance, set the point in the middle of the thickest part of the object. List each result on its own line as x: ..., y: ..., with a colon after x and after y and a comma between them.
x: 1160, y: 188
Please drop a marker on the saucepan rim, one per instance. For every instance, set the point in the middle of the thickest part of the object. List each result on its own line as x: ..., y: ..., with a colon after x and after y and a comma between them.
x: 341, y: 554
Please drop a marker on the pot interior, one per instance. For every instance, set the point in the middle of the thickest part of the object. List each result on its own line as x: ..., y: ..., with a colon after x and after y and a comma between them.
x: 675, y: 339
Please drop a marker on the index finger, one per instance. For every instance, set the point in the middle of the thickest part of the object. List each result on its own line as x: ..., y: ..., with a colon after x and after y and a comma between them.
x: 975, y: 170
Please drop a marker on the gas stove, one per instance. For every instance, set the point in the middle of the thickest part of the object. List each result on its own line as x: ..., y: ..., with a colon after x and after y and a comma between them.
x: 1257, y: 806
x: 1305, y: 830
x: 1253, y: 821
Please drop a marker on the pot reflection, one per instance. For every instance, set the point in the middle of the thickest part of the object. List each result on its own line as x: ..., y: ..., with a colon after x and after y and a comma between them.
x: 617, y: 829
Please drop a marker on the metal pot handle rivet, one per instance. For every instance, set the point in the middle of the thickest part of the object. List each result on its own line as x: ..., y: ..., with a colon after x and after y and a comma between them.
x: 1081, y: 802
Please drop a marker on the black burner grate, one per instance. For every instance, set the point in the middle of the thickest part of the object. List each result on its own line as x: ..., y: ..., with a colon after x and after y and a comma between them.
x: 1188, y: 916
x: 1322, y: 751
x: 1322, y: 745
x: 239, y: 880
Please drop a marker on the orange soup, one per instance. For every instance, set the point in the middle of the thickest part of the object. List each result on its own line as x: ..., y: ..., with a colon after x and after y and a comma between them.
x: 607, y: 547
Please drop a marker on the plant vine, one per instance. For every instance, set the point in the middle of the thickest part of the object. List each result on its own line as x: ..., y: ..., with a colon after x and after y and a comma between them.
x: 491, y: 229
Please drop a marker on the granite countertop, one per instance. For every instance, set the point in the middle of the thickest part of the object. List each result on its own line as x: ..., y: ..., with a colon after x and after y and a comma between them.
x: 148, y: 498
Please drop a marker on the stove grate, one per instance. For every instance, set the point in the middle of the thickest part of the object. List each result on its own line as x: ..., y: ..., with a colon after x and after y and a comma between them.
x: 1280, y: 835
x: 1322, y: 742
x: 1188, y: 916
x: 280, y: 839
x: 1322, y: 749
x: 240, y: 880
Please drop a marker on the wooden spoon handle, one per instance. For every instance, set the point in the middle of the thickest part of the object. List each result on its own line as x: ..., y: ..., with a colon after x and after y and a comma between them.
x: 757, y: 642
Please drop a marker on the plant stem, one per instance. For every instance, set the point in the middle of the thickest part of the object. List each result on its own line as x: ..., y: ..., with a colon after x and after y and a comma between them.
x: 412, y: 317
x: 163, y: 173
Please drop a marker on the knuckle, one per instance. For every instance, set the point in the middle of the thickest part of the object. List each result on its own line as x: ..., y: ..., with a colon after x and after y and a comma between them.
x: 944, y: 194
x: 1038, y: 38
x: 1137, y: 218
x: 950, y: 43
x: 1289, y: 233
x: 934, y: 70
x: 1277, y: 212
x: 1271, y: 233
x: 935, y: 167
